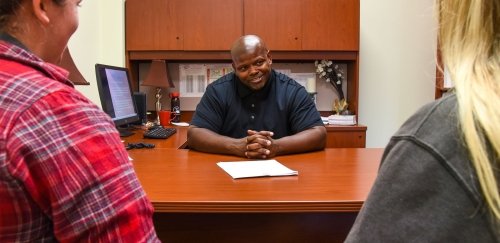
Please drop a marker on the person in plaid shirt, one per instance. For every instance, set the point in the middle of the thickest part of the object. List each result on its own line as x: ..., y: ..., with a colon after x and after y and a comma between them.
x: 64, y: 173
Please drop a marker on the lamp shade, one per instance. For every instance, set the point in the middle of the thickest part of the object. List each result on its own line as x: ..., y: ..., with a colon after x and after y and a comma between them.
x: 158, y: 75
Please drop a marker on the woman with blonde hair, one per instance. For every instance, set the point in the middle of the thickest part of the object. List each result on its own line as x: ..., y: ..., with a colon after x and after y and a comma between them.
x: 440, y: 174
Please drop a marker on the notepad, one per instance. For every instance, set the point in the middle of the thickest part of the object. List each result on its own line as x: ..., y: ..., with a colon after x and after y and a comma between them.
x: 258, y: 168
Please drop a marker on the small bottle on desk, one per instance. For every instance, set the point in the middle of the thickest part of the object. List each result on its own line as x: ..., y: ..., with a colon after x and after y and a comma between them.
x: 175, y: 106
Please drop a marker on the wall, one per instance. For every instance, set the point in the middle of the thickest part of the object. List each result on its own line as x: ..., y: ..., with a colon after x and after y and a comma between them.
x: 397, y: 64
x: 99, y: 39
x: 397, y: 53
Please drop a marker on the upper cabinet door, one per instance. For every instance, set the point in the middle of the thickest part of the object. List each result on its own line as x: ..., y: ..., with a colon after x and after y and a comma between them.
x: 277, y: 22
x: 330, y: 25
x: 212, y: 24
x: 153, y: 25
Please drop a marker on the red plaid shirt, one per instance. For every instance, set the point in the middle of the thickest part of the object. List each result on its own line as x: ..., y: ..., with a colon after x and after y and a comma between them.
x: 64, y: 173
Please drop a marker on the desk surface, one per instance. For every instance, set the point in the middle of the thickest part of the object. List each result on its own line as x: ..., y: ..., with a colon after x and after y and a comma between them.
x: 181, y: 180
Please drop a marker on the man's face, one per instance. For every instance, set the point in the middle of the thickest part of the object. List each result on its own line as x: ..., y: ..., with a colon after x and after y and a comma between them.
x: 253, y: 69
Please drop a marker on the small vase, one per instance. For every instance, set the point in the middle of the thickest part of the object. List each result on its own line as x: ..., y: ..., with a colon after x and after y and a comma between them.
x: 339, y: 107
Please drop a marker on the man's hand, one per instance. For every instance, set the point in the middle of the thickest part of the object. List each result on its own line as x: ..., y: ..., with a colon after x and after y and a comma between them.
x: 260, y: 145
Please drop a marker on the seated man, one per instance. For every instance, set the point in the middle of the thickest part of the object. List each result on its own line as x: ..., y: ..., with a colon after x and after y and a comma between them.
x: 255, y: 112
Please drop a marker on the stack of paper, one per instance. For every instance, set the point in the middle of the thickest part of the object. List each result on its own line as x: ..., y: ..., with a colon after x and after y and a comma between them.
x: 325, y: 120
x: 245, y: 169
x: 342, y: 119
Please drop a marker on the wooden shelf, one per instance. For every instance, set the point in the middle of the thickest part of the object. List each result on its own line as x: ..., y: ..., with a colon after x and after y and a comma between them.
x: 225, y: 55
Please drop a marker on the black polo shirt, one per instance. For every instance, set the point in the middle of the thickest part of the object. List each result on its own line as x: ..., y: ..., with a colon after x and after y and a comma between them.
x: 282, y: 106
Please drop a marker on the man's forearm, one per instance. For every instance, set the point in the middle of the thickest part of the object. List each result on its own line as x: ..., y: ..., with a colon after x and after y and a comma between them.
x: 204, y: 140
x: 305, y: 141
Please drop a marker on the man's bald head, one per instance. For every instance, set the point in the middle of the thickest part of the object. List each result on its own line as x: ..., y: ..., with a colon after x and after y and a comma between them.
x: 251, y: 61
x: 246, y: 45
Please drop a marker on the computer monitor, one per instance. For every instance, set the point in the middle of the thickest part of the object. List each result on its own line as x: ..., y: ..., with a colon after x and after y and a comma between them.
x: 117, y: 99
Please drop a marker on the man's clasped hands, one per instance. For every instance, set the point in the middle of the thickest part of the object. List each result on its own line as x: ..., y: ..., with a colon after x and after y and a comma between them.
x: 260, y: 145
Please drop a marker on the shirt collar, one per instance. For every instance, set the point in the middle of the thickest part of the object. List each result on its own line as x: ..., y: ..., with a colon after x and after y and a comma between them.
x: 13, y: 49
x: 8, y: 38
x: 244, y: 91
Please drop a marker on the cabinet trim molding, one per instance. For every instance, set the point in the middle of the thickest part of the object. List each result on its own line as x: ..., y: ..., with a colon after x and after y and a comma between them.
x: 225, y: 55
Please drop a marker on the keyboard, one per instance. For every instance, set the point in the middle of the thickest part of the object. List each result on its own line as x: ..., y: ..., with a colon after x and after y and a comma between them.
x: 159, y: 132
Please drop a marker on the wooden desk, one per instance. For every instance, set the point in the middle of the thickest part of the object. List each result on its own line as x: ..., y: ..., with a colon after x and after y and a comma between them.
x: 196, y: 201
x: 178, y: 140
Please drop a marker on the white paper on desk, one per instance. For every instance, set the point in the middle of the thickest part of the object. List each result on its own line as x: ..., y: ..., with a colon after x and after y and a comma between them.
x: 258, y: 168
x: 180, y: 124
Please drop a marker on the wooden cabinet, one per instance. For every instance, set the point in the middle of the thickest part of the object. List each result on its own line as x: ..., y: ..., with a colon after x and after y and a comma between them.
x: 154, y: 25
x: 294, y: 30
x: 278, y: 22
x: 346, y: 136
x: 304, y: 25
x: 201, y: 25
x: 212, y: 25
x: 191, y: 25
x: 203, y: 30
x: 330, y: 25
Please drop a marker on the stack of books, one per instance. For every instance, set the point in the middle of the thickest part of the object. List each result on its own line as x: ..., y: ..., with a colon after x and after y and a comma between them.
x: 342, y: 120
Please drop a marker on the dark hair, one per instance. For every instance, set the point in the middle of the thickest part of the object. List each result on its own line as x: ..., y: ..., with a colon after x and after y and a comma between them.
x: 9, y: 7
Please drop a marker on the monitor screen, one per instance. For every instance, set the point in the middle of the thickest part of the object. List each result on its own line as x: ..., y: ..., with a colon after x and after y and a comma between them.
x: 115, y: 92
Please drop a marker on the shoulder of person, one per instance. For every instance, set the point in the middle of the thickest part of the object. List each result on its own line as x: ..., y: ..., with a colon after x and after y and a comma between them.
x: 435, y: 128
x: 227, y: 79
x: 34, y: 86
x: 285, y: 79
x: 439, y: 115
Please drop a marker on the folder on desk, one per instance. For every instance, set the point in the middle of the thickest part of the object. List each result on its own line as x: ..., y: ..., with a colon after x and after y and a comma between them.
x: 258, y: 168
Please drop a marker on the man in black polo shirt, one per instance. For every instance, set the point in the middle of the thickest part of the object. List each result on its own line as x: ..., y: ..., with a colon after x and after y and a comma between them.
x: 255, y: 112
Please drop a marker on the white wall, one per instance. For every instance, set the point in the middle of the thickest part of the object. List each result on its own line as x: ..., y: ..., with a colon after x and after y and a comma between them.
x: 397, y: 64
x: 100, y: 38
x: 397, y: 57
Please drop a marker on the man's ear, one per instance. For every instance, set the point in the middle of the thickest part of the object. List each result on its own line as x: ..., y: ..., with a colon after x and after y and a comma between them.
x: 40, y: 11
x: 269, y: 59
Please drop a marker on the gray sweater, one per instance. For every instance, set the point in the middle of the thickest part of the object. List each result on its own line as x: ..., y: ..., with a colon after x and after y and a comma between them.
x: 427, y: 189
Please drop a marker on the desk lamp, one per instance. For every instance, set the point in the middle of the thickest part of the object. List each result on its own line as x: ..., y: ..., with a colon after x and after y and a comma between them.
x: 158, y: 77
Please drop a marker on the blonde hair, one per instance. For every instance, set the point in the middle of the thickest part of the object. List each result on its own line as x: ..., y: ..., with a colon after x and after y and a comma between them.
x: 469, y: 40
